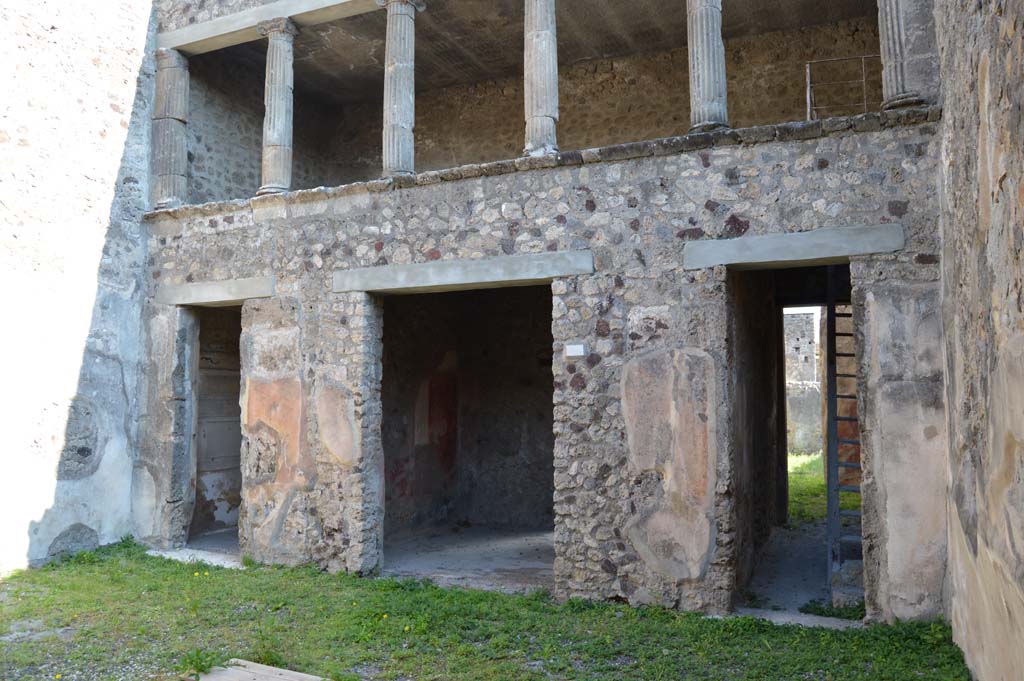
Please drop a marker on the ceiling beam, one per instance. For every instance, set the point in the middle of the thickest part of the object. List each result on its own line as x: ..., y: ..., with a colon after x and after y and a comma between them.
x: 240, y: 27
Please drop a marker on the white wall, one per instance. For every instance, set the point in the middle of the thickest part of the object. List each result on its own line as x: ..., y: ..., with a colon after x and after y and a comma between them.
x: 74, y: 137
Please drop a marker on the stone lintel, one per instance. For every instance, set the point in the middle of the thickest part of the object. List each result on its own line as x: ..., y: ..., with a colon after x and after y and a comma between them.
x: 461, y: 275
x: 216, y: 293
x: 827, y: 246
x: 242, y: 27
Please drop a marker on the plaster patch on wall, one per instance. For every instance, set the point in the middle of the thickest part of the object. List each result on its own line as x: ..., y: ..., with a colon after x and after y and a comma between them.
x: 1003, y: 482
x: 275, y: 524
x: 335, y: 416
x: 668, y: 402
x: 904, y: 445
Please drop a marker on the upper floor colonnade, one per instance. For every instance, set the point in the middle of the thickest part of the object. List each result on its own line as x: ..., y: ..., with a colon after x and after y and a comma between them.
x: 908, y: 67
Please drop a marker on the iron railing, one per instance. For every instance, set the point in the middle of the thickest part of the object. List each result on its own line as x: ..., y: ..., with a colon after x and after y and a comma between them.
x: 814, y: 106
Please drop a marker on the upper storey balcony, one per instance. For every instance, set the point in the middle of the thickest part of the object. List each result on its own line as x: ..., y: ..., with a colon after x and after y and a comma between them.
x: 265, y: 97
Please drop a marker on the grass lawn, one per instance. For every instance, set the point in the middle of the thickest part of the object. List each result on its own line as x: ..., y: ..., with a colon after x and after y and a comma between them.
x: 808, y: 496
x: 119, y: 614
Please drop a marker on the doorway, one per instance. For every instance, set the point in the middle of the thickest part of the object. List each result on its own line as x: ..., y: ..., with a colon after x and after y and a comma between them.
x: 798, y: 435
x: 218, y: 437
x: 467, y: 436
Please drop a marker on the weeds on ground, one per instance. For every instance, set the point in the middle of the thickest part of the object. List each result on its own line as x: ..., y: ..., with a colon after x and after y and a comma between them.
x: 845, y: 612
x: 197, y: 661
x: 266, y: 648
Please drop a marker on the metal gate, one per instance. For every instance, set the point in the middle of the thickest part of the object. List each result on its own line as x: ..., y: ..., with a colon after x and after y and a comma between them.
x: 842, y: 438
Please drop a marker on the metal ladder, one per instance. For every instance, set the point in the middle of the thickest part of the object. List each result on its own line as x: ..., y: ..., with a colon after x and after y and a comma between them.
x: 843, y: 436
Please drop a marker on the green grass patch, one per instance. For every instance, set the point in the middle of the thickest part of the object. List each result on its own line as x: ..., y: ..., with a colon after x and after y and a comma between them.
x: 808, y: 498
x: 122, y: 610
x: 808, y: 493
x: 846, y: 612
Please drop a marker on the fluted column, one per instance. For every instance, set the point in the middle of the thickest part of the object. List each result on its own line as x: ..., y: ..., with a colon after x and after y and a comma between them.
x: 540, y: 78
x: 909, y: 54
x: 278, y: 104
x: 170, y: 119
x: 708, y: 108
x: 400, y: 86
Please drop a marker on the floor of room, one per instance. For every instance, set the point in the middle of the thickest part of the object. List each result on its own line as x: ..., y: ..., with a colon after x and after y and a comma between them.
x: 219, y: 547
x: 218, y: 541
x: 511, y: 561
x: 793, y: 568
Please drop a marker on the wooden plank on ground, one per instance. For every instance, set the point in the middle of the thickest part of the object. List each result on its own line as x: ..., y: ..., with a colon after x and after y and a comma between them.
x: 243, y: 670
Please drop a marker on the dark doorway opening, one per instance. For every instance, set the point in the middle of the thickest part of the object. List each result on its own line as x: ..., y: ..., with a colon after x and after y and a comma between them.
x: 798, y: 440
x: 467, y: 437
x: 218, y: 435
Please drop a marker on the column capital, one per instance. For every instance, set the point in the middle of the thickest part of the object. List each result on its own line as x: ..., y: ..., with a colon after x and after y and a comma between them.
x: 279, y: 26
x: 167, y: 58
x: 420, y: 5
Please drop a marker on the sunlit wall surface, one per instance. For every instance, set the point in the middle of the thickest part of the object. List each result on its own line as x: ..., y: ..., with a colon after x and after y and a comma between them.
x: 74, y: 136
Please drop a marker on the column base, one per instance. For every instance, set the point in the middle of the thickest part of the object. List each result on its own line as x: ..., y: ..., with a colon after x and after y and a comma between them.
x: 900, y: 101
x: 547, y: 150
x: 168, y: 204
x: 271, y: 189
x: 707, y: 127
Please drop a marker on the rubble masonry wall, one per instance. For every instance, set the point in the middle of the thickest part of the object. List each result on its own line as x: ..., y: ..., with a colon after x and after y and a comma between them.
x: 983, y: 318
x: 641, y: 512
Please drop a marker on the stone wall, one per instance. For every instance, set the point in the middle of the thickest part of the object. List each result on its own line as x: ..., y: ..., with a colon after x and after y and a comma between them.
x: 641, y: 512
x: 757, y: 441
x: 225, y: 131
x: 983, y: 317
x: 278, y: 519
x: 612, y: 101
x: 175, y: 14
x: 74, y: 182
x: 467, y: 409
x: 903, y: 445
x: 803, y: 383
x: 801, y: 333
x: 639, y: 97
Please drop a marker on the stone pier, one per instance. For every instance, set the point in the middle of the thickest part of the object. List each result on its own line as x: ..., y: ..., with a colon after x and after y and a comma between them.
x: 278, y: 101
x: 170, y: 140
x: 400, y: 86
x: 909, y: 55
x: 708, y: 109
x: 540, y: 73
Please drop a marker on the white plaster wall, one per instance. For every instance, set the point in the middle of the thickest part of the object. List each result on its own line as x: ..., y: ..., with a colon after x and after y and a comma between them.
x: 905, y: 446
x: 74, y: 137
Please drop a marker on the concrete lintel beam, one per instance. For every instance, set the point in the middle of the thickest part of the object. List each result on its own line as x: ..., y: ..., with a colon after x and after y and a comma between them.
x: 827, y: 246
x: 461, y: 275
x: 241, y: 27
x: 216, y: 293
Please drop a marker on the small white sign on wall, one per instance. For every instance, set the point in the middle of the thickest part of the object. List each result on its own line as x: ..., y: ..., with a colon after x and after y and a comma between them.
x: 575, y: 350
